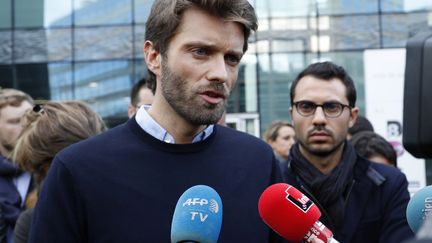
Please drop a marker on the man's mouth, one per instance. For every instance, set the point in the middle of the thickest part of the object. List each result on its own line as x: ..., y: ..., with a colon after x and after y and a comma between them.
x: 213, y: 97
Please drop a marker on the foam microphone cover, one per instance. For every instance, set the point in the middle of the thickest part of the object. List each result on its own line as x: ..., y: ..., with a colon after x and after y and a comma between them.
x: 287, y: 211
x: 197, y: 216
x: 419, y: 207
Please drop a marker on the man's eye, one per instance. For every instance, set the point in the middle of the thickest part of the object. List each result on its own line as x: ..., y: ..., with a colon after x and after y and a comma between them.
x: 233, y: 60
x: 307, y: 106
x: 200, y: 51
x: 332, y: 106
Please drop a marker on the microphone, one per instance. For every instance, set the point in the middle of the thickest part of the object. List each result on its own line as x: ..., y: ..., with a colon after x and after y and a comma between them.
x: 197, y: 216
x: 418, y: 210
x: 292, y: 215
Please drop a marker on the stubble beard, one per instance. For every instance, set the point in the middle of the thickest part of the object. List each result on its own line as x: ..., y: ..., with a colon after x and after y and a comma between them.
x: 184, y: 102
x: 321, y: 152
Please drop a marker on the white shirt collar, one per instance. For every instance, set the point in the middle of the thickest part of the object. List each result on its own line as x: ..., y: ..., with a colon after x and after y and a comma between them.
x: 148, y: 124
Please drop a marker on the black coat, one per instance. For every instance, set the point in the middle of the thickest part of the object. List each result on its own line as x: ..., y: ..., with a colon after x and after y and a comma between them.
x: 376, y: 206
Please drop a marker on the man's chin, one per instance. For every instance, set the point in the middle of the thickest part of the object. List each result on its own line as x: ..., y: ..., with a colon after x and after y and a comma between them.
x: 321, y: 150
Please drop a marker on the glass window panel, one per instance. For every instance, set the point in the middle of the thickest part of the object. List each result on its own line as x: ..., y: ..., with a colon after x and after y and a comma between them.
x: 103, y: 43
x: 286, y: 8
x: 60, y: 81
x: 105, y: 85
x: 140, y: 70
x: 33, y: 79
x: 30, y: 46
x: 57, y: 13
x: 289, y: 45
x: 405, y: 6
x: 289, y: 24
x: 236, y: 101
x: 352, y: 62
x: 261, y: 9
x: 251, y: 82
x: 5, y: 14
x: 6, y: 80
x: 289, y: 34
x: 59, y: 44
x: 5, y: 47
x: 29, y: 13
x: 397, y: 28
x: 142, y: 10
x: 274, y: 84
x: 139, y: 41
x: 350, y: 32
x: 330, y: 7
x: 42, y: 45
x: 102, y: 12
x: 244, y: 97
x: 39, y: 13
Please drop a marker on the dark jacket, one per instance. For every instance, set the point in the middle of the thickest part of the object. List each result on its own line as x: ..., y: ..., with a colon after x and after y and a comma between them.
x: 376, y: 204
x: 10, y: 199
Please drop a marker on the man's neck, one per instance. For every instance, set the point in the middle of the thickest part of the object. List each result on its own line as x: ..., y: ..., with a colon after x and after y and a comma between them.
x: 325, y: 164
x: 182, y: 131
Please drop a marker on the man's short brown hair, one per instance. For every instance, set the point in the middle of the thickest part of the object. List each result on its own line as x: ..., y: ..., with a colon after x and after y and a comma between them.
x: 165, y: 17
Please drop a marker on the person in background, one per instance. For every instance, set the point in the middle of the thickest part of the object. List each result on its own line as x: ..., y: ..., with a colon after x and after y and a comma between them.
x: 14, y: 184
x: 48, y: 129
x: 142, y: 93
x: 361, y: 124
x: 280, y: 135
x: 360, y: 201
x: 123, y: 185
x: 374, y: 147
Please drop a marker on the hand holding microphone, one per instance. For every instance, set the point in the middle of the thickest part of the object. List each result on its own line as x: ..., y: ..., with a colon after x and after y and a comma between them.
x: 197, y: 216
x: 292, y: 215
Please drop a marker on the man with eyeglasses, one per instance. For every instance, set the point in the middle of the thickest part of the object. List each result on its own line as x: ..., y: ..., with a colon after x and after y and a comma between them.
x: 360, y: 201
x: 14, y: 184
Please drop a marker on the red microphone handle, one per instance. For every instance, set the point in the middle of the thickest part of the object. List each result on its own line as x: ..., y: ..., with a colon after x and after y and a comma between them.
x: 320, y: 231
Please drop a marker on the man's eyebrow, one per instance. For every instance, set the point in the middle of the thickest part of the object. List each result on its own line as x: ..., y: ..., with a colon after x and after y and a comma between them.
x: 211, y: 46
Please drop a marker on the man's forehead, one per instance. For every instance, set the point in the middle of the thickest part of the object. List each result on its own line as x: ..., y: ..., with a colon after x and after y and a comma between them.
x: 310, y: 87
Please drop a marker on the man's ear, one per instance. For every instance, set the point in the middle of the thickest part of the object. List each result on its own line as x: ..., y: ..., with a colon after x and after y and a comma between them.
x: 291, y: 113
x: 353, y: 116
x: 152, y: 58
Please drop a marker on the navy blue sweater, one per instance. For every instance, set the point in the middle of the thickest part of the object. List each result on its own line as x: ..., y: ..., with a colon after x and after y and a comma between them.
x: 123, y: 185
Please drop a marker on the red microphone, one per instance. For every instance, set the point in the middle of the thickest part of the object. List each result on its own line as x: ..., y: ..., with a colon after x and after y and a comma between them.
x: 292, y: 215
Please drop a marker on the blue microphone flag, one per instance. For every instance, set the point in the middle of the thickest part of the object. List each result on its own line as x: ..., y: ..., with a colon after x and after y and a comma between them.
x: 419, y: 208
x: 197, y: 216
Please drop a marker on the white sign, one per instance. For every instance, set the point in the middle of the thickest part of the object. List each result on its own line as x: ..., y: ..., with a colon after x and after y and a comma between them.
x: 384, y: 85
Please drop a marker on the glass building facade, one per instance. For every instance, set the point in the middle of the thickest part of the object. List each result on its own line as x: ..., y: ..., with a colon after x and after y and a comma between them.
x: 92, y: 49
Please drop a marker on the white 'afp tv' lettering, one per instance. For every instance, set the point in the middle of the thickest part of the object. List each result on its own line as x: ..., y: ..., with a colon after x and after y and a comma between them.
x: 202, y: 217
x: 194, y: 201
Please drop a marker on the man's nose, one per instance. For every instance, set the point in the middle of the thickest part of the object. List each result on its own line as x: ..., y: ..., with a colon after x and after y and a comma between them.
x: 218, y: 69
x: 319, y: 117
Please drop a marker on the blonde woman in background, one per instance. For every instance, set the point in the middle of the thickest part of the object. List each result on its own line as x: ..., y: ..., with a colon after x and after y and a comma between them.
x: 48, y: 129
x: 280, y: 136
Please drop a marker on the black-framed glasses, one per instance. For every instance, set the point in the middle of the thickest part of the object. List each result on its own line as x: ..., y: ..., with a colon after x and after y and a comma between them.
x: 331, y: 109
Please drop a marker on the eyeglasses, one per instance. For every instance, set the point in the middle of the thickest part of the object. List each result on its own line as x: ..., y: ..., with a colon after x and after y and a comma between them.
x: 331, y: 109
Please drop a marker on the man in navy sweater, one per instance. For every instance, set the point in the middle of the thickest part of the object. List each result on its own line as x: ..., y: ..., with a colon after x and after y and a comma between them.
x: 123, y: 185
